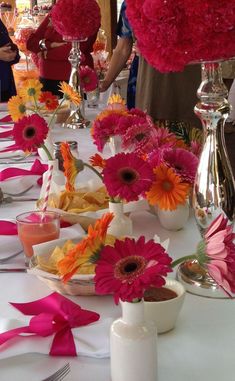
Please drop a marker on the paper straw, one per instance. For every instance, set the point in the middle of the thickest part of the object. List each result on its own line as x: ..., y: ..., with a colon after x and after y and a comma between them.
x: 47, y: 191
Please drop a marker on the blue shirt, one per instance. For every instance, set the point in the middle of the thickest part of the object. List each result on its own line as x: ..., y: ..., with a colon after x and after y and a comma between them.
x: 124, y: 30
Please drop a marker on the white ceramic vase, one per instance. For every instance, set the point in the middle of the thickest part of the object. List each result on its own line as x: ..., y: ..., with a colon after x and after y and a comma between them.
x: 174, y: 219
x: 120, y: 225
x: 57, y: 180
x: 133, y: 345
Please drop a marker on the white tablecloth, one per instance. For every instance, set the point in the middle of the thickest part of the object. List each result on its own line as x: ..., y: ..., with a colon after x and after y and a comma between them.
x: 201, y: 347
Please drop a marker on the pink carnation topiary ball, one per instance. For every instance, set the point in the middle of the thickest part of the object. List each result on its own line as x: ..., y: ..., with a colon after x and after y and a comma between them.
x: 172, y: 33
x: 76, y: 19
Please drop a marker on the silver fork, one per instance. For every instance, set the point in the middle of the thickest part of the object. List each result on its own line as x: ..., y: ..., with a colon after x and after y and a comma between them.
x: 20, y: 193
x: 59, y: 374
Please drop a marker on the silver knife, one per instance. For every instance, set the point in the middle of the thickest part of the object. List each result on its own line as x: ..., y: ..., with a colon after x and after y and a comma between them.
x: 13, y: 270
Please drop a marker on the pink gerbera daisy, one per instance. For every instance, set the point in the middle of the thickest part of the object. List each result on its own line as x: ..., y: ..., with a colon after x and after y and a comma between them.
x: 127, y: 176
x: 183, y: 162
x: 104, y: 128
x: 155, y: 158
x: 217, y: 253
x: 30, y: 132
x: 165, y: 138
x: 130, y: 267
x: 88, y: 77
x: 140, y: 136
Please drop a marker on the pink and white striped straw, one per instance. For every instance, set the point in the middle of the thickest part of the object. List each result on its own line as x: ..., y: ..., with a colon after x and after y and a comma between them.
x: 47, y: 191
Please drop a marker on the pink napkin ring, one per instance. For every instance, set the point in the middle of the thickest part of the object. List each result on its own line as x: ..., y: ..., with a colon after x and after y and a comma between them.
x: 54, y: 315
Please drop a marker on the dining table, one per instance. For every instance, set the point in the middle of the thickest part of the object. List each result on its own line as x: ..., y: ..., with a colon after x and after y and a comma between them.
x: 200, y: 347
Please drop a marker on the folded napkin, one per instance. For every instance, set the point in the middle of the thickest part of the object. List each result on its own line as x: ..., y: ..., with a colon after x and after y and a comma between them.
x: 59, y: 327
x: 37, y: 169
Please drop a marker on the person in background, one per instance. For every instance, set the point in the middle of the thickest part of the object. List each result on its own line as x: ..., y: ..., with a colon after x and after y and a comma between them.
x: 53, y: 53
x: 120, y: 56
x: 169, y: 98
x: 9, y: 55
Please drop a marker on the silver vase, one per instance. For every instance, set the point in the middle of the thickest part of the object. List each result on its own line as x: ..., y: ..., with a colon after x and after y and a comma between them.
x: 76, y: 118
x: 214, y: 187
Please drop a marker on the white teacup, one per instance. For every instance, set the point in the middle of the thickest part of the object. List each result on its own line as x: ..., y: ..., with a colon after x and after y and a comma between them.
x: 165, y: 313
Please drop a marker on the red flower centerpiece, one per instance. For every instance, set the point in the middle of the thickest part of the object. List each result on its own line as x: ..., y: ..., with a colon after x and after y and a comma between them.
x: 76, y: 19
x: 171, y: 33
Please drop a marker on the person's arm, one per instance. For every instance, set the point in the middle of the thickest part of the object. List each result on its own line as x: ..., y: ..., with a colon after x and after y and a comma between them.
x: 58, y: 51
x: 33, y: 43
x: 118, y: 61
x: 7, y: 54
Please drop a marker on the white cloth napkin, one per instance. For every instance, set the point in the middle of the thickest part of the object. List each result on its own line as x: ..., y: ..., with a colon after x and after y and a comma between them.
x: 19, y: 184
x: 91, y: 340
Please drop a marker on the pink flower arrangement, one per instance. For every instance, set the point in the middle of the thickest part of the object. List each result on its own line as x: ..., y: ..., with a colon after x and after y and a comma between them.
x: 130, y: 267
x: 104, y: 128
x: 219, y: 254
x: 76, y: 19
x: 88, y: 78
x: 216, y: 254
x: 171, y: 33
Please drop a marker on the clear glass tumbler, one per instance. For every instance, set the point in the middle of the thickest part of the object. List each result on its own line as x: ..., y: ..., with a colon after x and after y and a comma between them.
x: 36, y: 227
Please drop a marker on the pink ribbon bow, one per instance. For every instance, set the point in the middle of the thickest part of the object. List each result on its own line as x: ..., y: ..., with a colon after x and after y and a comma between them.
x: 56, y: 315
x: 8, y: 228
x: 6, y: 118
x: 37, y: 169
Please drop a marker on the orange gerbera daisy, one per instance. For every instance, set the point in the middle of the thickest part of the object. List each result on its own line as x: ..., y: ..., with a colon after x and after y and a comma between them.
x: 31, y: 90
x: 107, y: 112
x: 70, y: 94
x: 86, y: 251
x: 16, y: 108
x: 50, y: 100
x: 97, y: 161
x: 167, y: 191
x: 72, y: 166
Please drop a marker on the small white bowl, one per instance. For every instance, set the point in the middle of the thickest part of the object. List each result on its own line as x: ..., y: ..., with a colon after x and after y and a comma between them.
x: 165, y: 313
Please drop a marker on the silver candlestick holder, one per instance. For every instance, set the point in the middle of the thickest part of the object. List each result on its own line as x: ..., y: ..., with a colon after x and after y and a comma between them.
x: 214, y: 186
x: 76, y: 118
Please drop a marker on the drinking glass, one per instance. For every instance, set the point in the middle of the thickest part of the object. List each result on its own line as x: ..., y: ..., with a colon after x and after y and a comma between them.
x: 36, y: 227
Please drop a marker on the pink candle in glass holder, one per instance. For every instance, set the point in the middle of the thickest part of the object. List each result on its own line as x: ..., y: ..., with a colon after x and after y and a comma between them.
x: 36, y: 227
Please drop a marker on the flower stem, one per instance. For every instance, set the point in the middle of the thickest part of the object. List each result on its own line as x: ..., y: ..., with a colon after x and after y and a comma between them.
x: 36, y: 105
x: 47, y: 151
x: 94, y: 170
x: 183, y: 259
x: 54, y: 113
